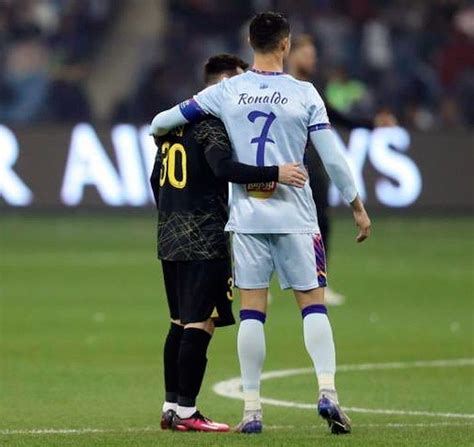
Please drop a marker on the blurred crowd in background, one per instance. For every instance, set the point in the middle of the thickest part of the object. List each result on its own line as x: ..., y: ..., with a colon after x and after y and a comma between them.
x: 415, y: 57
x: 47, y: 50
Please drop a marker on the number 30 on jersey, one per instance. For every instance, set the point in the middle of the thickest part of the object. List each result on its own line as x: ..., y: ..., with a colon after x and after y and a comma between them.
x: 171, y: 155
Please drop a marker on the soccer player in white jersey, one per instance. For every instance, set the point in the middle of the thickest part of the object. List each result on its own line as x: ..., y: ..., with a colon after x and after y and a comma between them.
x: 269, y: 115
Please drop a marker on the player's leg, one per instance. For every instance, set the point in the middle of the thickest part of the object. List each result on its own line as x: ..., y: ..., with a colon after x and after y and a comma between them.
x: 251, y: 351
x: 253, y: 268
x: 202, y: 283
x: 308, y: 281
x: 319, y: 343
x: 192, y: 363
x: 318, y: 338
x: 171, y: 346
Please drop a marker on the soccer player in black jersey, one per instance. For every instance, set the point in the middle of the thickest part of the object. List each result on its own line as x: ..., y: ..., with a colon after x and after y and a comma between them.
x: 189, y: 182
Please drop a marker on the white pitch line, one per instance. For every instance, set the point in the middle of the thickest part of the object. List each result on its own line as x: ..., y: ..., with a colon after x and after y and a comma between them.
x: 387, y: 425
x: 83, y: 431
x: 232, y: 388
x: 77, y: 431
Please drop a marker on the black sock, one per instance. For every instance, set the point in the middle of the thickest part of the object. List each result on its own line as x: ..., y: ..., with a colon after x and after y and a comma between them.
x: 192, y: 364
x: 170, y: 360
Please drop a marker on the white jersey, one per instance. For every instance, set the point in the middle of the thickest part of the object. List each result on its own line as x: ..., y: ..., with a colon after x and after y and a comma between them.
x: 268, y: 117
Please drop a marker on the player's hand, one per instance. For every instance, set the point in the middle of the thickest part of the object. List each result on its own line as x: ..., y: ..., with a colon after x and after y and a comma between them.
x: 291, y: 174
x: 362, y: 219
x: 385, y: 118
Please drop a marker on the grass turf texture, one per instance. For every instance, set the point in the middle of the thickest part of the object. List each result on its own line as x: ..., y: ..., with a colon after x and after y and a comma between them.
x: 83, y: 319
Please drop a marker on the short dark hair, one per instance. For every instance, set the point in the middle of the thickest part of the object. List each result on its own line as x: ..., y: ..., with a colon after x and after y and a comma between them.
x: 222, y: 63
x: 266, y: 30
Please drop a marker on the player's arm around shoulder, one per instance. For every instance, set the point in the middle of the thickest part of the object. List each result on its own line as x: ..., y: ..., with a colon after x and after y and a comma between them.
x: 212, y: 136
x: 167, y: 120
x: 189, y: 111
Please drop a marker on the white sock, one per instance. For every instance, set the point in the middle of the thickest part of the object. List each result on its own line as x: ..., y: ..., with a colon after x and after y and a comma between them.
x: 251, y: 349
x: 185, y: 412
x: 169, y: 406
x: 320, y: 346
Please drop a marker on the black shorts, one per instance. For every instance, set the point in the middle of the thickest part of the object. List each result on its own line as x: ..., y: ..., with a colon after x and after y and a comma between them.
x: 199, y: 290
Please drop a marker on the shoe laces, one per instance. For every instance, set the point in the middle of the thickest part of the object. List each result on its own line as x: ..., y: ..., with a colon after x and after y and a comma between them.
x: 200, y: 416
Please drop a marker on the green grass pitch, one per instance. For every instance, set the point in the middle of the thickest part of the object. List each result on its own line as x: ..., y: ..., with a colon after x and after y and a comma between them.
x: 83, y: 317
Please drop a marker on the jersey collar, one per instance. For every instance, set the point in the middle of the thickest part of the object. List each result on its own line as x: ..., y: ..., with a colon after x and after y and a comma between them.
x: 267, y: 73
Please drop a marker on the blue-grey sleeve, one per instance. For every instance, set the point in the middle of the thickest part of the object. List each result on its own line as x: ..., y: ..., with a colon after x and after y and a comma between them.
x: 187, y: 112
x: 318, y: 117
x: 206, y: 102
x: 210, y: 99
x: 335, y: 162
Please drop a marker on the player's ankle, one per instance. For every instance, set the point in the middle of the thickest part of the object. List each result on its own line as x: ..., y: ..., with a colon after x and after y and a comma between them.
x: 169, y: 406
x: 252, y: 401
x: 331, y: 394
x: 185, y: 412
x: 253, y: 414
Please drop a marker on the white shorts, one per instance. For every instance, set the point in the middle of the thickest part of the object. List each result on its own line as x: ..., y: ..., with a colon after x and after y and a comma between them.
x: 299, y: 260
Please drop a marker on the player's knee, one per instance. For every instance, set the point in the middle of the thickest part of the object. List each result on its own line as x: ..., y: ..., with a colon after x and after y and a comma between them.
x: 254, y: 299
x: 311, y: 297
x: 210, y: 326
x: 207, y: 326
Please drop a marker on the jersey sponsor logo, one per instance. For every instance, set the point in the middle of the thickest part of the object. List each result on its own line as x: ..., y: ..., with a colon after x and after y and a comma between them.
x: 275, y: 98
x: 261, y: 190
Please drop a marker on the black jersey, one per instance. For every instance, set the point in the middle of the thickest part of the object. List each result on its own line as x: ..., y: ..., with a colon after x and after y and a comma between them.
x: 189, y: 182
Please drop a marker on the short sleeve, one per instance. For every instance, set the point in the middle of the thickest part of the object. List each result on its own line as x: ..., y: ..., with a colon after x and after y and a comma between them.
x: 318, y: 117
x: 210, y: 99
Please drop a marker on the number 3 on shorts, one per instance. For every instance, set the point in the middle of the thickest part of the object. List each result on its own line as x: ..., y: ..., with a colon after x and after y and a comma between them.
x: 230, y: 292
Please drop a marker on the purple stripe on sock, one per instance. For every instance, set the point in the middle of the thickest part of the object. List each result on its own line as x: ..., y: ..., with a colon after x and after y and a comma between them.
x: 249, y: 314
x: 314, y: 309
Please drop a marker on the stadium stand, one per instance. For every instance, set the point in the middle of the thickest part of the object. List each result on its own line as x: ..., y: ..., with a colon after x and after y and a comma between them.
x: 418, y: 61
x: 47, y: 52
